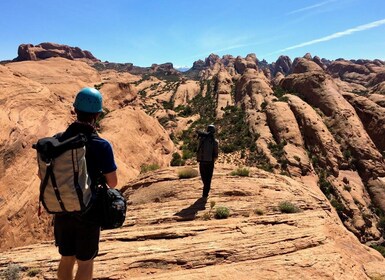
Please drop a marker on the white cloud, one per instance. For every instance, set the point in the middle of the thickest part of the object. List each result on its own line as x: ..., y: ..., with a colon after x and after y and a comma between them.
x: 336, y: 35
x: 310, y: 7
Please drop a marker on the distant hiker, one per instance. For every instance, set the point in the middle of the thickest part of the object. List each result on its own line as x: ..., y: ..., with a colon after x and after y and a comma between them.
x: 76, y: 234
x: 207, y: 153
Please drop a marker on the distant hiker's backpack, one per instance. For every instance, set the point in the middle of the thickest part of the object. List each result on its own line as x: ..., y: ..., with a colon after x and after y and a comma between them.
x: 207, y: 148
x: 112, y: 208
x: 65, y: 184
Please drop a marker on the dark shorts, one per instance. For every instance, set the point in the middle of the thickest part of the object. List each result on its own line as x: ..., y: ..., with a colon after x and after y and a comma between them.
x: 76, y: 237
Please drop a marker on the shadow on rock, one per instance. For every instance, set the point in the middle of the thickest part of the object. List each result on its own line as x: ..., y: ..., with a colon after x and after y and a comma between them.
x: 190, y: 212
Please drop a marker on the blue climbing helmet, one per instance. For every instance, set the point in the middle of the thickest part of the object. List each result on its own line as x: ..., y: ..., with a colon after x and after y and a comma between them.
x: 89, y: 100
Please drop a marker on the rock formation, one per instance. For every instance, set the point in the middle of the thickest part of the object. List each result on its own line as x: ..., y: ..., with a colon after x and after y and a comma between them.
x: 317, y: 121
x: 48, y: 50
x: 169, y: 234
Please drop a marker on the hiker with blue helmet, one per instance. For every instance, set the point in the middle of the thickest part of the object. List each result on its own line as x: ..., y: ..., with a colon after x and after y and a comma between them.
x: 77, y: 234
x: 207, y: 153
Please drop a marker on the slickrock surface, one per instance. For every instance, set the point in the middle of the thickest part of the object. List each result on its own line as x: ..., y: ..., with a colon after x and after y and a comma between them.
x: 166, y: 235
x: 36, y: 100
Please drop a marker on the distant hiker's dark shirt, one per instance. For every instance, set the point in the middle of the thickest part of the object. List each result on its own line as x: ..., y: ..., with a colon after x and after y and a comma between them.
x: 207, y: 148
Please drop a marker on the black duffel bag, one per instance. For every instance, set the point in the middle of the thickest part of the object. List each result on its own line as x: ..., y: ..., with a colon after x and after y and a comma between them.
x: 112, y: 207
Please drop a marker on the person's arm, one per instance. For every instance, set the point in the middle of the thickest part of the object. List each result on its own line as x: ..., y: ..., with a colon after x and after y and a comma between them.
x: 111, y: 179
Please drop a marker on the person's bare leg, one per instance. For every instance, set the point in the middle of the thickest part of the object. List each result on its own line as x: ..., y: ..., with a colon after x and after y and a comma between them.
x: 66, y: 268
x: 85, y: 269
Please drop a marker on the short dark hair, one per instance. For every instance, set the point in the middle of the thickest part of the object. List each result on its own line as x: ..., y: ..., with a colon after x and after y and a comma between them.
x: 86, y: 117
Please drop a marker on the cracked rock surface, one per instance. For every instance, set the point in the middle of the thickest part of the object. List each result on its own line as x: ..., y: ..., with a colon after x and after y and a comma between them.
x: 170, y: 233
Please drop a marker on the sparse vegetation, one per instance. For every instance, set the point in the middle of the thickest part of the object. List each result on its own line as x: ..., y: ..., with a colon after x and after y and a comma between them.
x: 207, y: 216
x: 98, y: 86
x: 148, y: 167
x: 232, y: 129
x: 288, y: 207
x: 241, y: 171
x: 168, y: 104
x: 279, y: 92
x: 337, y: 205
x: 324, y: 184
x: 347, y: 188
x: 102, y: 115
x: 33, y: 272
x: 186, y: 154
x: 278, y: 152
x: 233, y: 133
x: 184, y: 111
x: 187, y: 172
x: 12, y: 272
x: 222, y: 212
x: 259, y: 211
x: 177, y: 160
x: 259, y: 160
x: 381, y: 225
x: 379, y: 248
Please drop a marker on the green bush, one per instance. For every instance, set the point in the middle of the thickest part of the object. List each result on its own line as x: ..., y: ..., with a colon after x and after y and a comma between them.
x: 148, y: 167
x: 187, y: 172
x: 186, y: 154
x: 222, y: 212
x: 33, y: 272
x: 259, y: 212
x: 379, y: 248
x: 381, y: 225
x: 177, y: 160
x: 337, y: 205
x: 288, y: 207
x: 325, y: 186
x: 241, y: 171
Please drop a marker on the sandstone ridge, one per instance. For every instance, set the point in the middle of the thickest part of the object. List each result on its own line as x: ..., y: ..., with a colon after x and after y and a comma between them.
x: 169, y: 234
x: 315, y: 121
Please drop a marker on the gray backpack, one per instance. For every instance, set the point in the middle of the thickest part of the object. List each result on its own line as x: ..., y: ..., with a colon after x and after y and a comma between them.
x: 65, y: 184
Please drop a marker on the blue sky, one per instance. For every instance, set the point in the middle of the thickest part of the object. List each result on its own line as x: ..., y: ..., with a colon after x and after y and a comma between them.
x: 181, y: 31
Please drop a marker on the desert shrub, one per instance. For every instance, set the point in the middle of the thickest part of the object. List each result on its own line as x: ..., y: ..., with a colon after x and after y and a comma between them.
x: 278, y: 152
x: 337, y: 205
x: 98, y: 86
x: 101, y: 116
x: 259, y: 160
x: 177, y: 160
x: 184, y: 111
x: 186, y: 154
x: 148, y: 167
x: 259, y: 211
x: 222, y: 212
x: 188, y: 172
x: 279, y: 92
x: 288, y: 207
x: 347, y: 188
x: 233, y: 133
x: 12, y: 272
x: 241, y: 171
x: 379, y: 248
x: 381, y: 225
x: 168, y: 105
x: 324, y: 184
x: 33, y: 272
x: 206, y: 216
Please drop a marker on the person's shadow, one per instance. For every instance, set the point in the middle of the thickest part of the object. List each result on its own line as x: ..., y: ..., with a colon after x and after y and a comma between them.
x: 189, y: 213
